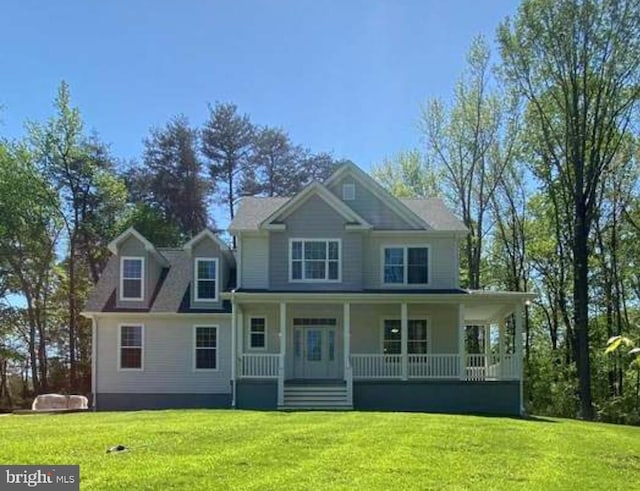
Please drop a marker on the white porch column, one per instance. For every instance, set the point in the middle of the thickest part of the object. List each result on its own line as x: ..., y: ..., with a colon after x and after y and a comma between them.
x: 346, y: 348
x: 94, y: 363
x: 461, y: 339
x: 501, y: 347
x: 404, y: 340
x: 487, y: 349
x: 283, y: 350
x: 234, y: 356
x: 518, y: 350
x: 240, y: 338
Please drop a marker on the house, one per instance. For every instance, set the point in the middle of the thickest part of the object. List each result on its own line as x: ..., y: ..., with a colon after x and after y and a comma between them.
x: 340, y: 297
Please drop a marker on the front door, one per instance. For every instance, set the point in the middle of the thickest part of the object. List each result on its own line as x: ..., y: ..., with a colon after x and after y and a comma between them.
x: 315, y: 352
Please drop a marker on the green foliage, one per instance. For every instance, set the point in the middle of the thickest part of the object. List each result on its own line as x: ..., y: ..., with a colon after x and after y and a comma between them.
x: 407, y: 175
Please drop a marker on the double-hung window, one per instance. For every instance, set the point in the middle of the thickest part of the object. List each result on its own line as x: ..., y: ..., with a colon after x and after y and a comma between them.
x: 314, y: 260
x: 257, y: 333
x: 206, y: 347
x: 132, y: 278
x: 131, y: 339
x: 405, y: 265
x: 206, y: 280
x: 417, y: 337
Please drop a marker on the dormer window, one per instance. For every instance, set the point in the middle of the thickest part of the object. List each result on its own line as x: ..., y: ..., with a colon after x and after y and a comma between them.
x: 206, y: 279
x: 348, y: 192
x: 131, y: 278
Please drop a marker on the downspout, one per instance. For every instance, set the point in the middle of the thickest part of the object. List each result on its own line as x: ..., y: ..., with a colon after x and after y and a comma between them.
x: 94, y: 362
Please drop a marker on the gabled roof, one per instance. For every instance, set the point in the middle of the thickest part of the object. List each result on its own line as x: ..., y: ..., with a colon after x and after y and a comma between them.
x: 253, y: 210
x: 132, y: 232
x: 210, y: 234
x: 435, y: 213
x: 315, y: 189
x: 374, y: 187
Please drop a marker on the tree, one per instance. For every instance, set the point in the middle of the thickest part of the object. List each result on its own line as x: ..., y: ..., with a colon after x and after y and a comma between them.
x: 277, y: 162
x: 228, y: 142
x: 407, y: 175
x: 577, y: 63
x: 172, y: 177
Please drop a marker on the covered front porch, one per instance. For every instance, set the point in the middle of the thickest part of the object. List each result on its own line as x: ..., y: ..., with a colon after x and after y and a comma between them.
x: 295, y: 340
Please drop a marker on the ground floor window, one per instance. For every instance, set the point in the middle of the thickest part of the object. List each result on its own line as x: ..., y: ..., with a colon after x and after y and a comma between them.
x: 206, y: 347
x: 130, y: 347
x: 417, y: 342
x: 257, y: 333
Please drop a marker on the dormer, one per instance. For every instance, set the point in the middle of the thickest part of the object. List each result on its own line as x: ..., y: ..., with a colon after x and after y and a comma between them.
x: 140, y: 265
x: 211, y: 265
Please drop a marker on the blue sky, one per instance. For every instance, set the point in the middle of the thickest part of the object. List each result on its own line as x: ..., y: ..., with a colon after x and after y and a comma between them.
x: 347, y: 77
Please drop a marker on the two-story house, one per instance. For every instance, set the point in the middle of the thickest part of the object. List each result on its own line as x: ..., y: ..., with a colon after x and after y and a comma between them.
x: 340, y: 297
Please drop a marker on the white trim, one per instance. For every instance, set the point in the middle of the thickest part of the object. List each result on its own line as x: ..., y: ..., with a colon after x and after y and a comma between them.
x: 318, y: 189
x: 348, y: 191
x: 196, y: 291
x: 143, y: 274
x: 239, y: 261
x: 375, y: 188
x: 327, y: 260
x: 119, y: 361
x: 224, y: 247
x: 217, y: 348
x: 405, y: 266
x: 148, y: 246
x: 249, y: 332
x: 426, y: 318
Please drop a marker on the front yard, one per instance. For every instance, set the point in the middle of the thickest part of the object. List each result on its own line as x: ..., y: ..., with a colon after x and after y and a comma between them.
x: 208, y: 450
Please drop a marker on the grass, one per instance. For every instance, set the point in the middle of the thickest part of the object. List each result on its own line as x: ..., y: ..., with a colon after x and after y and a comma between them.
x: 207, y: 450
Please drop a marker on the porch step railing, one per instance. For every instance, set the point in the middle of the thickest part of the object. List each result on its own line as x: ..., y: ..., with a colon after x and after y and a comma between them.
x: 259, y: 365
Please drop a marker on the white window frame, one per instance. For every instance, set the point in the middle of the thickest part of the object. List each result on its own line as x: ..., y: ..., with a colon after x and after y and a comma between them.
x: 122, y: 278
x: 315, y: 280
x: 249, y: 332
x: 427, y: 319
x: 405, y: 265
x: 195, y: 348
x: 196, y: 293
x: 119, y: 361
x: 348, y: 191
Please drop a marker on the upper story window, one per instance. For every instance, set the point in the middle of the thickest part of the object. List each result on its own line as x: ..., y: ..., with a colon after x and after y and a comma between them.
x: 348, y: 192
x: 314, y: 260
x: 406, y: 265
x: 130, y: 349
x: 206, y: 279
x: 131, y: 278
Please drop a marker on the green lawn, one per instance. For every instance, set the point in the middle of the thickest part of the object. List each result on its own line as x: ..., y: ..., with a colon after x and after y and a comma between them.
x: 313, y: 450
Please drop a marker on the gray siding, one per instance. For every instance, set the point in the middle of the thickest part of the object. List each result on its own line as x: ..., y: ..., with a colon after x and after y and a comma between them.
x: 207, y: 248
x: 370, y: 207
x: 168, y: 357
x: 443, y: 259
x: 315, y: 219
x: 152, y: 269
x: 456, y: 397
x: 255, y: 261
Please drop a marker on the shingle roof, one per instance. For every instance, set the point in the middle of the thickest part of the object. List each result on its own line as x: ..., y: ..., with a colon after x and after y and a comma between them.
x: 169, y: 294
x: 254, y: 210
x: 435, y: 213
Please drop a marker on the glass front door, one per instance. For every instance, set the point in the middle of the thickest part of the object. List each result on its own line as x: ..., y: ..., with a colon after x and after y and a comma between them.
x: 315, y: 352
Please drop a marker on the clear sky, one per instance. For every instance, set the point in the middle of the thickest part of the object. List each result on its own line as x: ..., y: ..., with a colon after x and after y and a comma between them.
x: 347, y: 77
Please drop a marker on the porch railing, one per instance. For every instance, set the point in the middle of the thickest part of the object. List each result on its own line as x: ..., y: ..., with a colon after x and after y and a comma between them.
x: 376, y: 366
x: 259, y: 365
x: 435, y: 366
